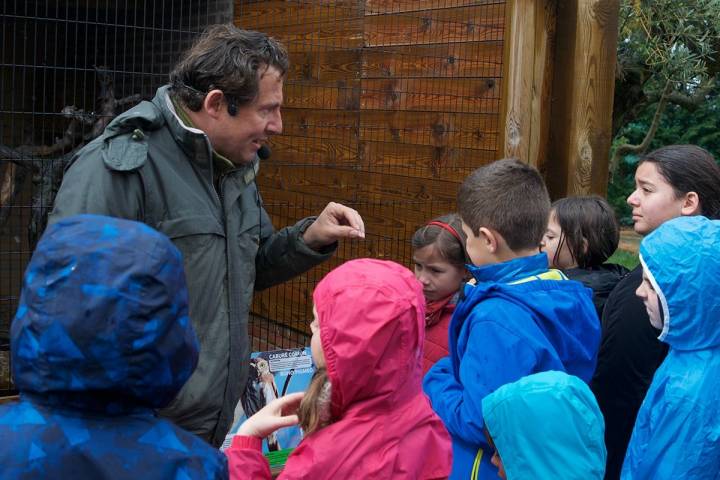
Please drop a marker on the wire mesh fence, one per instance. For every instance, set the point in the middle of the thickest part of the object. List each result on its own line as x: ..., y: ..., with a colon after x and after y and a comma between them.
x: 389, y: 104
x: 66, y: 68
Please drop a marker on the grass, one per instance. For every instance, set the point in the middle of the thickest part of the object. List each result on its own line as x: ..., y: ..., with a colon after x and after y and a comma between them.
x: 625, y: 258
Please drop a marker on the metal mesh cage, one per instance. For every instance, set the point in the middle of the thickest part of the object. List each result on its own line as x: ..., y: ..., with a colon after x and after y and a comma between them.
x: 66, y: 68
x: 389, y: 104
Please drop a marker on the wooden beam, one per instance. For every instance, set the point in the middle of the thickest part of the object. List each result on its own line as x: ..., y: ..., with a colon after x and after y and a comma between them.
x: 528, y: 61
x: 583, y: 88
x: 545, y: 22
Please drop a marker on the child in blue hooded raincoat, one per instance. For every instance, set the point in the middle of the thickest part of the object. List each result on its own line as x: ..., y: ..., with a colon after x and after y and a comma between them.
x: 677, y: 431
x: 101, y: 339
x: 546, y: 426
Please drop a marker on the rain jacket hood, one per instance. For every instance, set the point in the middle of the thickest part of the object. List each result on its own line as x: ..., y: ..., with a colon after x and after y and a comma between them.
x: 679, y: 259
x: 101, y: 338
x: 372, y: 321
x: 371, y: 315
x: 103, y: 318
x: 570, y: 446
x: 677, y: 431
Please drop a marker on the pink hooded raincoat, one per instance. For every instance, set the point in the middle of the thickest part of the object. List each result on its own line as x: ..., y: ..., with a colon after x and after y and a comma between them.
x: 372, y: 322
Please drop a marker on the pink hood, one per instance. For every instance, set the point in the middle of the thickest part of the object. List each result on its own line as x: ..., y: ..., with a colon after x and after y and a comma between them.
x: 372, y: 320
x: 372, y: 323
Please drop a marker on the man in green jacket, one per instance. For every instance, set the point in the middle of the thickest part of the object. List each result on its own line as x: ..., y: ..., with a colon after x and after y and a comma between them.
x: 185, y: 164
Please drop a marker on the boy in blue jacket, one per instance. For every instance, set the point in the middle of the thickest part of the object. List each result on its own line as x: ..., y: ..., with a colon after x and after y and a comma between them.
x: 519, y: 318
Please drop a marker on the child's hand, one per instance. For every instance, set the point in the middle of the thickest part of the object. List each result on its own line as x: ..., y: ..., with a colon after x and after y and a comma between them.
x: 277, y: 414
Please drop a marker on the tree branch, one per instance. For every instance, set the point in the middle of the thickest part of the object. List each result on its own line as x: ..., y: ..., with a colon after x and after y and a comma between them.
x: 694, y: 101
x: 46, y: 163
x: 626, y: 148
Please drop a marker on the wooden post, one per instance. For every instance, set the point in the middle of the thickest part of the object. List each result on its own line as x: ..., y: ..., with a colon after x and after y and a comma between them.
x: 528, y: 60
x: 582, y: 100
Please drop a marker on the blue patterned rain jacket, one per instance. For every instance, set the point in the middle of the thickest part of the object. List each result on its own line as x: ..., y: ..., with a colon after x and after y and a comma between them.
x: 100, y: 340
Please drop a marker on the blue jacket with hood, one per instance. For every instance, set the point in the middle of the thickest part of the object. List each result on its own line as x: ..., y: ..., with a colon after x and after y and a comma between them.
x: 547, y: 425
x: 101, y: 339
x: 517, y: 320
x: 677, y: 430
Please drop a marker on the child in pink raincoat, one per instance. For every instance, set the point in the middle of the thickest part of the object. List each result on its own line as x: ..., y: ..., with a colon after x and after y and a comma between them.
x: 364, y: 415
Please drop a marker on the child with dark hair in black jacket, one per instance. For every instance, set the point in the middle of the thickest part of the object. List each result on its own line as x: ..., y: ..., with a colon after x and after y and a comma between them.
x: 582, y: 234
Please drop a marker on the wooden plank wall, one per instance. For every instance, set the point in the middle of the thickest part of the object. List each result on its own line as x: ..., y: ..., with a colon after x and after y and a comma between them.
x: 389, y: 104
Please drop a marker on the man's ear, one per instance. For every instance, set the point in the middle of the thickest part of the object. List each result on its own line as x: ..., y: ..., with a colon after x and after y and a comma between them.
x: 488, y: 239
x: 214, y: 103
x: 691, y: 204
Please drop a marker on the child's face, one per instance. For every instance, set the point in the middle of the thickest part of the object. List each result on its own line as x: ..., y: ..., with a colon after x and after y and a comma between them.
x: 550, y: 242
x: 495, y: 460
x: 315, y: 343
x: 653, y: 201
x: 439, y: 278
x: 649, y: 296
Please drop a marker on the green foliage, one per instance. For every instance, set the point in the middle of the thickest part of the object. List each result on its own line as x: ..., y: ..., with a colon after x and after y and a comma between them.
x: 670, y: 39
x: 618, y: 190
x: 665, y: 43
x: 627, y: 259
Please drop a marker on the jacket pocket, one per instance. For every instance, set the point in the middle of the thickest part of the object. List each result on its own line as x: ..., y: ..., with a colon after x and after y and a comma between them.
x: 193, y: 235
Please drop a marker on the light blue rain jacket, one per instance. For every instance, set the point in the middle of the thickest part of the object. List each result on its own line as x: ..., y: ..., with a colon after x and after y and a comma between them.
x: 677, y: 431
x: 547, y: 426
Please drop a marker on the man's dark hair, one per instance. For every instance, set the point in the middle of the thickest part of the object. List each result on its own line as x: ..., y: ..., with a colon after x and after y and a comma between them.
x: 589, y: 229
x: 226, y: 58
x: 689, y: 168
x: 507, y: 196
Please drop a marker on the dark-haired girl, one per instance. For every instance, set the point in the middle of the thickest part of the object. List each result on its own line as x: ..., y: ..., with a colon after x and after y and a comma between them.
x: 582, y: 233
x: 439, y: 258
x: 673, y: 181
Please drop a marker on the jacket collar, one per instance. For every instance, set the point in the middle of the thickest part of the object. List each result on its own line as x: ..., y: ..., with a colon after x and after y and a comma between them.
x: 192, y: 140
x: 512, y: 270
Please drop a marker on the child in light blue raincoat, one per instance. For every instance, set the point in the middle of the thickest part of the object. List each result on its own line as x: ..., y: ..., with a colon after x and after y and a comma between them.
x: 546, y: 426
x: 677, y: 431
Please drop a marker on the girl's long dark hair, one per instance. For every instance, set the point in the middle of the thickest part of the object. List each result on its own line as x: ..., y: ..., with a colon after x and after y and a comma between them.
x: 589, y: 228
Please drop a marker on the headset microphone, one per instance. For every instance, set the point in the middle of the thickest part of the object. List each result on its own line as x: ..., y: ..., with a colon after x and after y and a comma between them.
x: 264, y: 152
